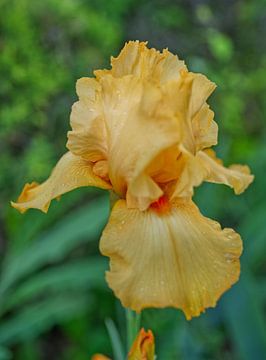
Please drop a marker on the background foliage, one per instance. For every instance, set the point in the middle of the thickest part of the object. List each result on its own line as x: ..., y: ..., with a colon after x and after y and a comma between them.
x: 53, y: 297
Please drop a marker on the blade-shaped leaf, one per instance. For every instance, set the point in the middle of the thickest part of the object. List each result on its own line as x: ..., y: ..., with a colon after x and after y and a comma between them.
x: 5, y: 354
x: 75, y: 276
x: 115, y: 340
x: 79, y: 227
x: 244, y: 318
x: 37, y: 318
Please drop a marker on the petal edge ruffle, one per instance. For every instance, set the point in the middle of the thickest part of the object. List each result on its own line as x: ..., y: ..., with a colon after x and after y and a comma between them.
x: 179, y: 259
x: 236, y: 176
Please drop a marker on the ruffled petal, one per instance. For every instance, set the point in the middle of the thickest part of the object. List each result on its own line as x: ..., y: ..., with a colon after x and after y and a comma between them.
x: 141, y: 123
x: 166, y: 166
x: 87, y: 90
x: 205, y: 129
x: 174, y: 258
x: 70, y: 172
x: 202, y: 88
x: 136, y: 59
x: 88, y: 137
x: 236, y: 176
x: 205, y: 166
x: 191, y: 174
x: 123, y: 124
x: 192, y: 90
x: 133, y: 118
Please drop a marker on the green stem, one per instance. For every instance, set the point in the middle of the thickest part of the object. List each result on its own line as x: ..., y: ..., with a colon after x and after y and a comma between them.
x: 133, y: 326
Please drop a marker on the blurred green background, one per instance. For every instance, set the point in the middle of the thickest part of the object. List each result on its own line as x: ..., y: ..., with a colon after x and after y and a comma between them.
x: 53, y: 298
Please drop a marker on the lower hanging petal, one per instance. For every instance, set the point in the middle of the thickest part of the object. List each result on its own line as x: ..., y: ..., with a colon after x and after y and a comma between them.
x: 70, y: 173
x: 174, y: 258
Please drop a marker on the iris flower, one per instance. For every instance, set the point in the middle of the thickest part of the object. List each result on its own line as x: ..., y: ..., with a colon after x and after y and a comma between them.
x: 100, y: 357
x: 144, y: 131
x: 143, y: 348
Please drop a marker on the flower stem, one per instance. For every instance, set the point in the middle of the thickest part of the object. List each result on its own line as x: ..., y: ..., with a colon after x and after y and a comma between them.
x: 133, y: 326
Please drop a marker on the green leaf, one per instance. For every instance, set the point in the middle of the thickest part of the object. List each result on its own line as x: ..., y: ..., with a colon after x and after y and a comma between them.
x: 245, y: 319
x: 115, y: 340
x: 81, y: 226
x: 76, y: 276
x: 5, y: 354
x: 253, y: 228
x: 37, y: 318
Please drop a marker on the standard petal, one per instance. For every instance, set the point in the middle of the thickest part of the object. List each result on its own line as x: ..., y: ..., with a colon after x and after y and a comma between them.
x: 70, y: 172
x: 87, y: 90
x: 202, y: 88
x: 88, y: 137
x: 89, y: 142
x: 205, y: 129
x: 137, y: 59
x: 191, y: 174
x: 141, y: 123
x: 124, y: 123
x: 166, y: 166
x: 175, y: 258
x: 236, y: 176
x: 193, y: 90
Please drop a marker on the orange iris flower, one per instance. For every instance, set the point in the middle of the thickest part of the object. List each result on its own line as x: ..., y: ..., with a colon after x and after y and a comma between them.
x: 100, y: 357
x: 143, y: 348
x: 144, y: 130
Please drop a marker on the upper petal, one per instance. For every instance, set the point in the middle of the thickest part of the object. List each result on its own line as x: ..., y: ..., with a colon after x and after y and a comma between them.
x: 70, y: 172
x: 236, y: 176
x: 137, y: 59
x: 141, y: 123
x: 205, y: 129
x: 134, y: 118
x: 166, y: 167
x: 88, y: 137
x: 191, y: 174
x: 87, y: 90
x: 124, y: 123
x: 192, y: 90
x: 202, y: 88
x: 176, y: 258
